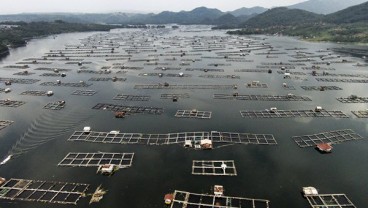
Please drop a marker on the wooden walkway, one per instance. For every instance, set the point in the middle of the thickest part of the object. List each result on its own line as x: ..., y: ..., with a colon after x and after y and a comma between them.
x: 128, y: 109
x: 333, y: 137
x: 291, y: 114
x: 193, y: 114
x: 329, y: 201
x: 162, y: 86
x: 214, y: 167
x: 42, y: 191
x: 320, y: 88
x: 353, y: 100
x: 11, y: 103
x: 183, y: 199
x: 173, y: 138
x: 78, y: 159
x: 5, y: 123
x: 132, y: 97
x: 262, y: 97
x: 84, y: 92
x: 55, y: 84
x: 361, y: 114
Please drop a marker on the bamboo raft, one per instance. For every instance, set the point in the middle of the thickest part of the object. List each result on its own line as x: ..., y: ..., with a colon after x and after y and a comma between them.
x: 132, y: 97
x: 78, y: 159
x: 291, y: 114
x: 43, y: 191
x: 84, y: 92
x: 193, y: 114
x: 261, y: 97
x: 172, y: 138
x: 183, y: 199
x: 5, y: 123
x: 333, y: 137
x: 214, y: 167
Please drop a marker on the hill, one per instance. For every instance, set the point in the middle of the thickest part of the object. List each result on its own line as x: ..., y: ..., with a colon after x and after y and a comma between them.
x: 358, y: 13
x: 325, y: 6
x: 248, y: 11
x: 282, y: 16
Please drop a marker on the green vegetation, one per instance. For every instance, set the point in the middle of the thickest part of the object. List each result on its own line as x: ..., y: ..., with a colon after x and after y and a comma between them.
x: 348, y: 25
x: 16, y: 33
x: 357, y: 32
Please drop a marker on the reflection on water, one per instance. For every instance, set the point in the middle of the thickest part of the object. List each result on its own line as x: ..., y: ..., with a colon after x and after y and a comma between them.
x: 277, y: 173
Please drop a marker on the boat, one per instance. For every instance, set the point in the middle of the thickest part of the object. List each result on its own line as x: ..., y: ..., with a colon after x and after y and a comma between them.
x: 120, y: 114
x: 324, y: 147
x: 168, y: 198
x: 6, y: 159
x: 2, y: 180
x: 309, y: 191
x: 218, y: 190
x: 97, y: 195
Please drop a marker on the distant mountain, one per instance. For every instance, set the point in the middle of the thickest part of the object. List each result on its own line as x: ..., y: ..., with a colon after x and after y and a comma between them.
x: 325, y: 6
x: 282, y: 16
x: 248, y: 11
x: 200, y: 15
x: 358, y: 13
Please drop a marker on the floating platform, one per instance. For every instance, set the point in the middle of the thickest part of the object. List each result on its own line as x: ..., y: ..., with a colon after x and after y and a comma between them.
x: 58, y: 105
x: 341, y: 75
x: 167, y: 68
x: 34, y: 93
x: 164, y: 75
x: 50, y: 75
x: 292, y: 73
x: 105, y: 79
x: 256, y: 85
x: 43, y: 191
x: 5, y: 123
x: 84, y: 92
x: 128, y: 109
x: 64, y: 84
x: 223, y: 138
x: 219, y: 76
x: 52, y: 69
x: 132, y: 97
x: 291, y: 114
x: 342, y: 80
x: 193, y: 114
x: 353, y: 99
x: 19, y: 81
x: 252, y: 70
x: 163, y: 86
x: 261, y: 97
x: 318, y: 68
x: 171, y: 96
x: 214, y: 167
x: 183, y: 199
x: 320, y: 88
x: 329, y: 200
x: 332, y: 137
x: 361, y: 114
x: 24, y: 73
x: 11, y: 103
x: 87, y: 71
x: 204, y: 70
x: 77, y: 159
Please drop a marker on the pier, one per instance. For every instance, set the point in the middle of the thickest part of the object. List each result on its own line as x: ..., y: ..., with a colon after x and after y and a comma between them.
x: 214, y: 167
x: 333, y: 137
x: 43, y: 191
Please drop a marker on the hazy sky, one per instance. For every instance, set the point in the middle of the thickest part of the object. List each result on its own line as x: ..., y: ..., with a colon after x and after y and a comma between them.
x: 21, y: 6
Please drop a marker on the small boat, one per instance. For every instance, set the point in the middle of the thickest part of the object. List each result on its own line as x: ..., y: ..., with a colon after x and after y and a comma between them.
x: 2, y: 180
x: 120, y: 114
x: 308, y: 191
x: 168, y: 199
x: 324, y: 147
x: 6, y: 159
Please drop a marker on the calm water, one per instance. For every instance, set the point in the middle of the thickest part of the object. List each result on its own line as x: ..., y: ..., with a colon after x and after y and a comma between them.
x: 276, y: 173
